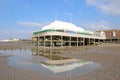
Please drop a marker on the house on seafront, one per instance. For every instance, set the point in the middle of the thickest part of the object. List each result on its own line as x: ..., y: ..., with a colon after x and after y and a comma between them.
x: 112, y: 36
x: 59, y: 34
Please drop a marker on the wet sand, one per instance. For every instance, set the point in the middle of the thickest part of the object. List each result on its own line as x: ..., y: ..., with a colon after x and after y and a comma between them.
x: 107, y: 56
x: 12, y: 73
x: 14, y: 45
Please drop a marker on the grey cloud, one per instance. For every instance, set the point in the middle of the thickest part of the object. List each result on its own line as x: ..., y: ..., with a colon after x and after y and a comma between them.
x: 106, y: 6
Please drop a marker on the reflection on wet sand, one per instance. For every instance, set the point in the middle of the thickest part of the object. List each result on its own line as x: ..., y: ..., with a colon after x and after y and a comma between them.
x: 57, y: 63
x: 68, y: 65
x: 48, y: 53
x: 48, y: 61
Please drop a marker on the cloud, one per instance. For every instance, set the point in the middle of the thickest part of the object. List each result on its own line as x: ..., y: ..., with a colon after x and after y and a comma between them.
x: 33, y: 24
x: 102, y: 25
x: 106, y: 6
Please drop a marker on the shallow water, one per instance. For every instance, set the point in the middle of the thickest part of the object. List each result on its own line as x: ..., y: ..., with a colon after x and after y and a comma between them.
x: 36, y: 60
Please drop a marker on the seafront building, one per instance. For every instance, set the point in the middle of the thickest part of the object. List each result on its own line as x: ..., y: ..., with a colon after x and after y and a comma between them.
x: 112, y: 36
x: 59, y: 34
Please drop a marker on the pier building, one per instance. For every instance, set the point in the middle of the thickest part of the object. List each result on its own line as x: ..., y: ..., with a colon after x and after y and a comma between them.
x: 59, y: 34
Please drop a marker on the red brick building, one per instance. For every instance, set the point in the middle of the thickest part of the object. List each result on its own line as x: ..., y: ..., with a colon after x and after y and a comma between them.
x: 112, y: 36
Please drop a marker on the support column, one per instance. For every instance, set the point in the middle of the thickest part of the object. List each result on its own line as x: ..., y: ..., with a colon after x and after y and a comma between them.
x: 89, y: 41
x: 80, y: 42
x: 111, y: 40
x: 44, y: 41
x: 118, y: 39
x: 77, y: 41
x: 83, y: 41
x: 61, y: 41
x: 51, y: 41
x: 104, y: 41
x: 94, y: 41
x: 99, y: 41
x: 38, y: 41
x: 70, y: 41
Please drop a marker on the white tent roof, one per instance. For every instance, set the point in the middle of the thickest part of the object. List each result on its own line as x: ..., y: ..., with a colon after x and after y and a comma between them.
x: 60, y: 25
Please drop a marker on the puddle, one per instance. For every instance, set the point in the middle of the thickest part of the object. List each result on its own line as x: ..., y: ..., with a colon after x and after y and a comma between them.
x: 48, y: 62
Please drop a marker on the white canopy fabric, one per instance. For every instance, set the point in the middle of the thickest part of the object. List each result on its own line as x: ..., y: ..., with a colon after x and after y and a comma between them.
x: 60, y: 25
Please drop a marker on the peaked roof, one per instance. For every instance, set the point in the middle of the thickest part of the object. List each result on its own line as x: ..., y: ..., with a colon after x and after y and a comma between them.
x: 60, y: 25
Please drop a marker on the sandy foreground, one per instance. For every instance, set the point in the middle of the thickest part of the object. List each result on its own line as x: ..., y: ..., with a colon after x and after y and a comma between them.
x: 107, y: 56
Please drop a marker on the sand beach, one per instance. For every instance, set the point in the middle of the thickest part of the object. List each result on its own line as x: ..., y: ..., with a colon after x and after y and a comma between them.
x: 108, y: 56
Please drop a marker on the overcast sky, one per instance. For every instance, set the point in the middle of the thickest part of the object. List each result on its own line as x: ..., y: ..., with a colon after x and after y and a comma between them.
x: 20, y: 18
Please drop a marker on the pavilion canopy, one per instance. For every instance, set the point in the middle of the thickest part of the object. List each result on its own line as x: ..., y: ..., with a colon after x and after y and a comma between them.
x: 60, y: 25
x: 64, y: 26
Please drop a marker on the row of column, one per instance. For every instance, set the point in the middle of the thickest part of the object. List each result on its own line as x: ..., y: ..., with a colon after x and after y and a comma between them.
x: 85, y: 41
x: 112, y: 40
